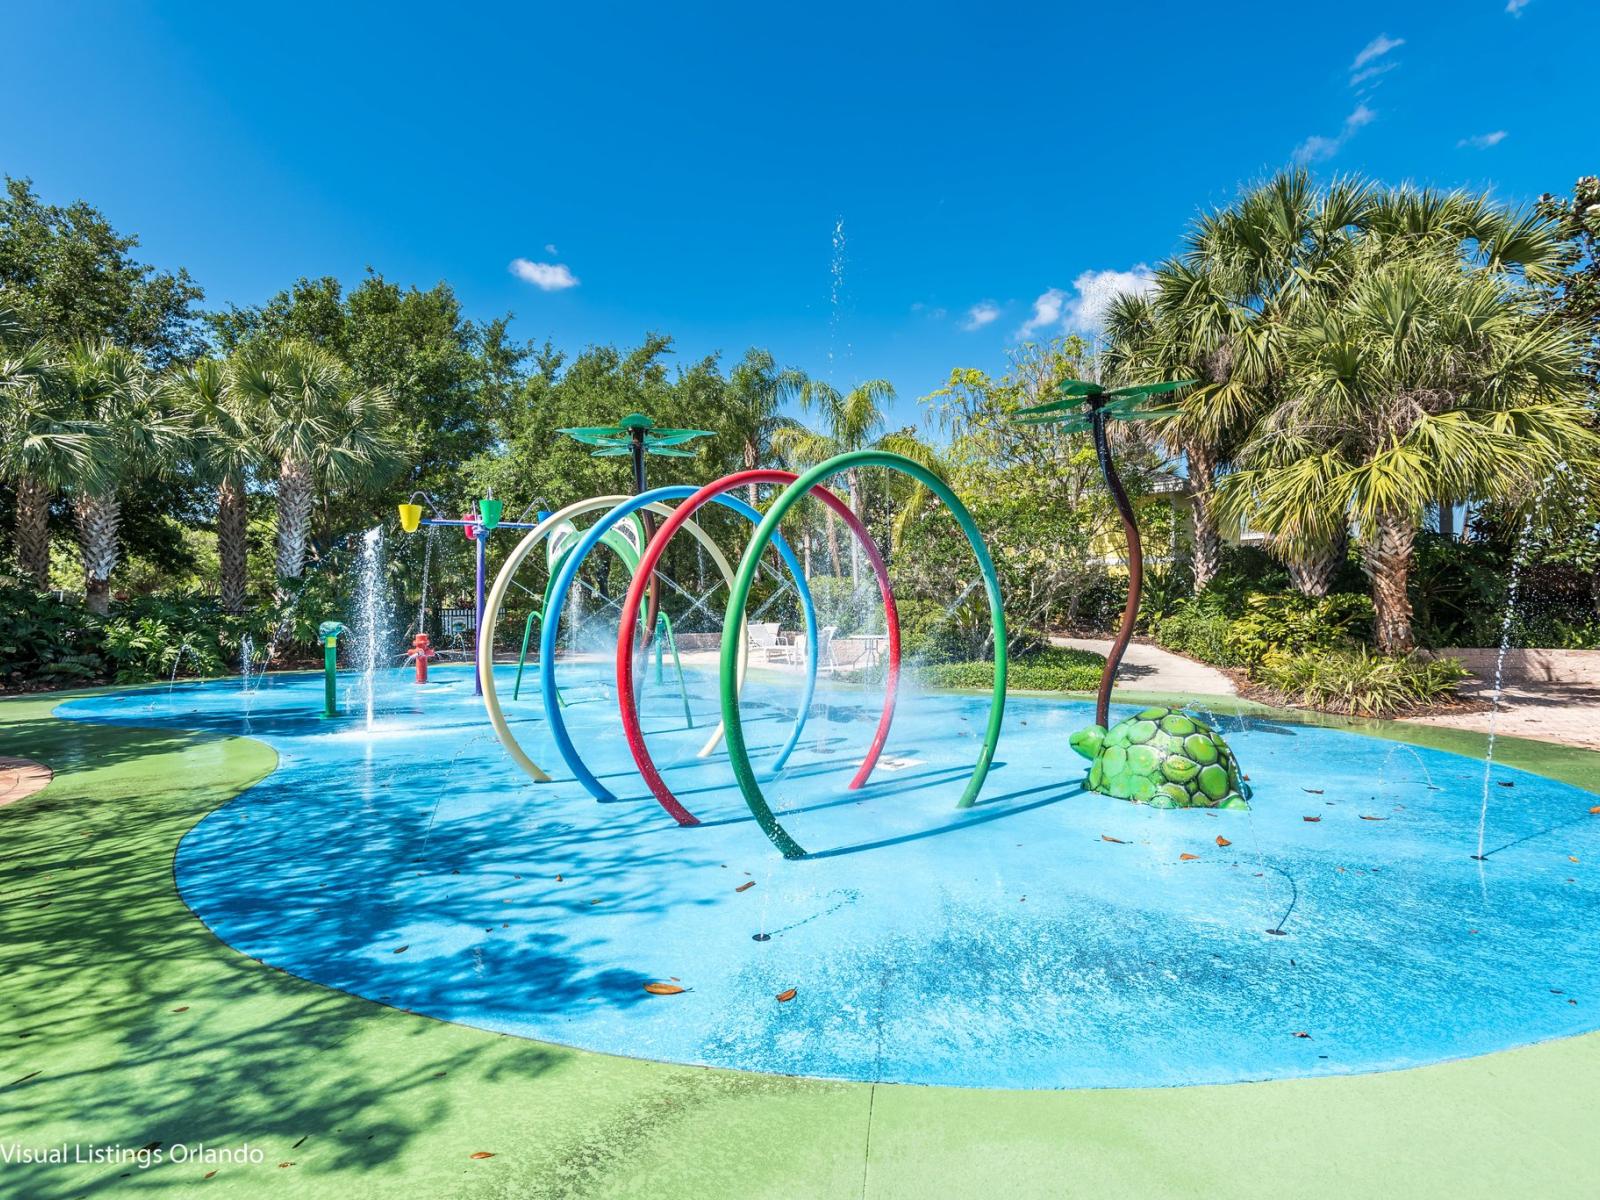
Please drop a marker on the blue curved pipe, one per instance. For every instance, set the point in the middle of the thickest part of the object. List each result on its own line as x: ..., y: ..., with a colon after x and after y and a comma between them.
x: 561, y: 585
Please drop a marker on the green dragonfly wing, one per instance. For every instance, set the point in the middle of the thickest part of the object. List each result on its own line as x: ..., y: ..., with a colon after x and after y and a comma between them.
x: 1052, y: 406
x: 1079, y: 387
x: 1152, y: 389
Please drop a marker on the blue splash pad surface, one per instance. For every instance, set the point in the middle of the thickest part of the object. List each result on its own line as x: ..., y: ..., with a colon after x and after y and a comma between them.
x: 1013, y: 945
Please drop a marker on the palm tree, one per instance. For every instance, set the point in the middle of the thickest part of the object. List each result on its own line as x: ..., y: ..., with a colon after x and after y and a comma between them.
x: 757, y: 391
x: 1423, y: 377
x: 129, y: 436
x: 854, y: 420
x: 225, y: 450
x: 44, y: 444
x: 316, y: 426
x: 1216, y: 315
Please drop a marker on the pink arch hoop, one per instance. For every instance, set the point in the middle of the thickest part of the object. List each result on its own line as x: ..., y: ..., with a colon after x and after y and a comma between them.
x: 628, y: 626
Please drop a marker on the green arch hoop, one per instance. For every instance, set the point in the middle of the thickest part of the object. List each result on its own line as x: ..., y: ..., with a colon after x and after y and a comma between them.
x: 739, y: 596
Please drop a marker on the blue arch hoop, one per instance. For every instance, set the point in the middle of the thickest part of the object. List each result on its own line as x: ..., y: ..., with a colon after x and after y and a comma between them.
x: 562, y: 585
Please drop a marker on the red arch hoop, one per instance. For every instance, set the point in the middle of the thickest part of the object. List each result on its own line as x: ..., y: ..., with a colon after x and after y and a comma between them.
x: 629, y: 622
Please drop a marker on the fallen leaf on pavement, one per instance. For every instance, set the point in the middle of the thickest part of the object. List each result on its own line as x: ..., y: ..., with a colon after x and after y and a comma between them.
x: 1222, y: 841
x: 785, y: 996
x: 663, y: 989
x: 1187, y: 857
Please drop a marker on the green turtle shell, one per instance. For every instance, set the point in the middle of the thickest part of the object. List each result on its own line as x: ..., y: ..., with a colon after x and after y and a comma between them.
x: 1168, y: 758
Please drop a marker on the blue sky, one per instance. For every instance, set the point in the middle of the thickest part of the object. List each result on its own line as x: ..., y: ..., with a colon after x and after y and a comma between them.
x: 997, y: 171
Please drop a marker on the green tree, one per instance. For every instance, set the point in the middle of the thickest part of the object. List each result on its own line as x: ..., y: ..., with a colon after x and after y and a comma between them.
x: 757, y: 392
x: 1216, y: 315
x: 1428, y: 374
x: 71, y: 277
x: 853, y: 420
x: 316, y: 426
x: 44, y: 443
x: 1035, y: 490
x: 130, y: 437
x: 449, y: 380
x: 225, y: 449
x: 1577, y: 295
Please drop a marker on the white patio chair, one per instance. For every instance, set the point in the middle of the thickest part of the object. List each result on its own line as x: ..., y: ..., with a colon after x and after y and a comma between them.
x: 825, y: 658
x: 763, y: 638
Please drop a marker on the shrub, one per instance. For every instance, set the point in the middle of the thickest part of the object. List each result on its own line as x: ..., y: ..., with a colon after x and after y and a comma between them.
x: 1165, y: 591
x: 1249, y: 629
x: 1052, y: 669
x: 1200, y: 634
x: 1288, y: 624
x: 45, y: 641
x: 1363, y: 683
x: 50, y: 643
x: 154, y: 637
x: 931, y: 633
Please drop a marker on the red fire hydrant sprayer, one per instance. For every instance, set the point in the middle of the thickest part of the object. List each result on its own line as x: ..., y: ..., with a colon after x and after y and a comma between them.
x: 422, y: 650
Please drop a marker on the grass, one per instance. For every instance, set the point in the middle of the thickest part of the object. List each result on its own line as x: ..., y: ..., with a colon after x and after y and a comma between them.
x: 127, y: 1022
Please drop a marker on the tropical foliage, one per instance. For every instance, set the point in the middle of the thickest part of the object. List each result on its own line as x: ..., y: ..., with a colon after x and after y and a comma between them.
x: 1370, y: 361
x: 1365, y: 353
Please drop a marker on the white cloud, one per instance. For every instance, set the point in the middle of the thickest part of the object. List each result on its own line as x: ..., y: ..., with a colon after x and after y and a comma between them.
x: 1085, y: 308
x: 1318, y: 147
x: 985, y: 312
x: 1378, y: 47
x: 1515, y: 7
x: 1483, y: 140
x: 547, y: 277
x: 550, y: 248
x: 1367, y: 74
x: 1046, y: 312
x: 1097, y: 290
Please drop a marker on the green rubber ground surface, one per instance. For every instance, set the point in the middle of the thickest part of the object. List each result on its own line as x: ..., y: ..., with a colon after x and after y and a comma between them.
x: 124, y: 1022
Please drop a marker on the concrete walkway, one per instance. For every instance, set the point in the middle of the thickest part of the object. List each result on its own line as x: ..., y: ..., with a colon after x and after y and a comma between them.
x: 1147, y: 668
x: 20, y: 777
x: 1551, y: 695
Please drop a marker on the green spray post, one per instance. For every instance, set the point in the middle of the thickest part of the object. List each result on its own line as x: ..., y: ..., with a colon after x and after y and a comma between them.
x: 329, y: 632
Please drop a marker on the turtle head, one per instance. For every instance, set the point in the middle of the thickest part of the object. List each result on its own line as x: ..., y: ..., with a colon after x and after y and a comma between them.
x: 1087, y: 742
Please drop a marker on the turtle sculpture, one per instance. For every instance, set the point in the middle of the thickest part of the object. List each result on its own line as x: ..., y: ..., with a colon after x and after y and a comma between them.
x: 1165, y: 758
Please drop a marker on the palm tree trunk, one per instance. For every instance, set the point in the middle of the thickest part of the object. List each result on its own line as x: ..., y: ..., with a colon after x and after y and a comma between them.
x: 833, y: 543
x: 752, y: 460
x: 97, y: 518
x: 32, y: 530
x: 1312, y: 570
x: 295, y: 500
x: 231, y: 543
x: 1202, y: 489
x: 1386, y: 558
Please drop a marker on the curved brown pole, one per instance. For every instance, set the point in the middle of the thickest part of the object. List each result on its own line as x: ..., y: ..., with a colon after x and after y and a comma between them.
x: 1130, y: 528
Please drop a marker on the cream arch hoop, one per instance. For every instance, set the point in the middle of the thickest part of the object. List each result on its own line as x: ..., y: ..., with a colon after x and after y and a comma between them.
x: 497, y: 598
